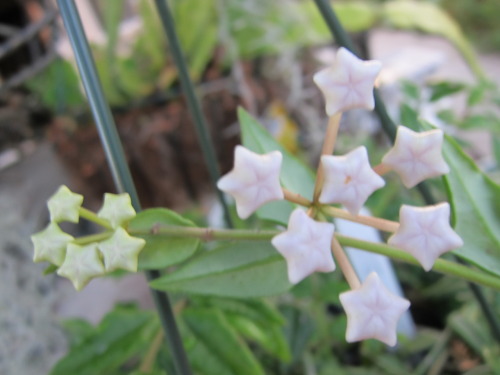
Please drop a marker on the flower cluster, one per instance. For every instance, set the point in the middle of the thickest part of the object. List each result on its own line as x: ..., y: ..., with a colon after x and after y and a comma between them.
x: 349, y: 180
x: 80, y: 261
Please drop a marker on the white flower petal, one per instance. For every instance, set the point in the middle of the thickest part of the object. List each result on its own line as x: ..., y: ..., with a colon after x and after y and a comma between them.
x: 65, y: 205
x: 253, y: 181
x: 306, y: 246
x: 349, y: 179
x: 81, y: 265
x: 121, y: 251
x: 117, y: 209
x: 372, y: 311
x: 348, y: 83
x: 416, y: 156
x: 50, y: 244
x: 425, y: 233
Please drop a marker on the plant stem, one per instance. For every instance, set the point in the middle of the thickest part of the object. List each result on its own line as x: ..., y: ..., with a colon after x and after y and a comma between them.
x: 441, y: 265
x: 374, y: 222
x: 118, y: 163
x: 328, y: 146
x: 193, y: 103
x: 91, y: 216
x: 85, y: 240
x: 209, y: 234
x: 345, y: 264
x: 296, y: 198
x: 148, y: 360
x: 382, y: 169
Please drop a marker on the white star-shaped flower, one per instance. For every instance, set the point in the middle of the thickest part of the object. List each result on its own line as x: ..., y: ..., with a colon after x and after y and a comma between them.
x: 348, y: 83
x: 425, y: 233
x: 306, y: 246
x: 349, y: 179
x: 50, y: 244
x: 416, y: 156
x: 372, y: 311
x: 121, y: 251
x: 81, y: 265
x: 65, y: 205
x: 254, y: 180
x: 117, y: 209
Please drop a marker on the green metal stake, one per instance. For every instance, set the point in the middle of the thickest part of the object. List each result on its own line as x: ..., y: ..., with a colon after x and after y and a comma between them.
x: 343, y: 39
x: 192, y: 101
x: 117, y: 162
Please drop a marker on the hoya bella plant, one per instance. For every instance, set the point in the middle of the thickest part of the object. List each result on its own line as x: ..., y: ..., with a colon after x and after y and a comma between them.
x: 158, y: 238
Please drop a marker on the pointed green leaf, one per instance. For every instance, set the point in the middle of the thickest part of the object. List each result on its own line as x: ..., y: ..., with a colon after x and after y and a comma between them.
x: 445, y: 88
x: 243, y: 269
x: 161, y: 251
x: 122, y: 334
x: 256, y: 320
x: 218, y: 349
x: 295, y: 175
x: 253, y: 309
x: 476, y: 207
x: 269, y: 337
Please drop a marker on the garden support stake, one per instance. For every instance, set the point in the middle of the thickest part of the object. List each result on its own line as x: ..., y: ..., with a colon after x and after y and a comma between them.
x: 117, y: 163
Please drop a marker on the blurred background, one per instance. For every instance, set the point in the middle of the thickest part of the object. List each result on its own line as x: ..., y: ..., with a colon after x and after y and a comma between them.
x: 441, y: 62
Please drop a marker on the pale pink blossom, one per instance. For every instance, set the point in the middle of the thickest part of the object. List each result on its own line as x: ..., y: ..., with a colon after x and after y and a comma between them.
x: 253, y: 181
x: 425, y: 233
x: 348, y: 83
x: 372, y: 311
x: 416, y: 156
x: 306, y: 246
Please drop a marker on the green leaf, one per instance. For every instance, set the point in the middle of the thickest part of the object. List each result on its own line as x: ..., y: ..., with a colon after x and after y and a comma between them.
x: 255, y: 320
x: 58, y: 86
x: 253, y: 309
x: 295, y: 175
x: 298, y: 331
x: 469, y: 325
x: 218, y: 350
x: 476, y: 208
x: 356, y: 16
x: 161, y: 251
x: 476, y: 95
x: 495, y: 139
x: 441, y: 89
x: 243, y: 269
x: 486, y: 121
x: 78, y: 331
x: 198, y: 42
x: 122, y: 334
x: 411, y: 90
x: 269, y: 337
x: 409, y: 117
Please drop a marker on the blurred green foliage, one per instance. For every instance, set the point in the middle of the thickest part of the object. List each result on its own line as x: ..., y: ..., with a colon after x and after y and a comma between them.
x: 479, y: 20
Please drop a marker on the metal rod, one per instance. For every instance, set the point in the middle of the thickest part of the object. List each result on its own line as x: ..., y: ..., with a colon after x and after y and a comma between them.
x: 117, y: 162
x: 194, y: 106
x: 343, y: 39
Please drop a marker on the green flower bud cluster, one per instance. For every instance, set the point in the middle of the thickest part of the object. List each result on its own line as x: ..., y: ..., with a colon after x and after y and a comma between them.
x: 81, y: 261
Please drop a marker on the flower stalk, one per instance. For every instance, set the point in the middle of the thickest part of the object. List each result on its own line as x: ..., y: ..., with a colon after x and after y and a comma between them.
x: 210, y: 234
x: 327, y: 149
x: 92, y: 216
